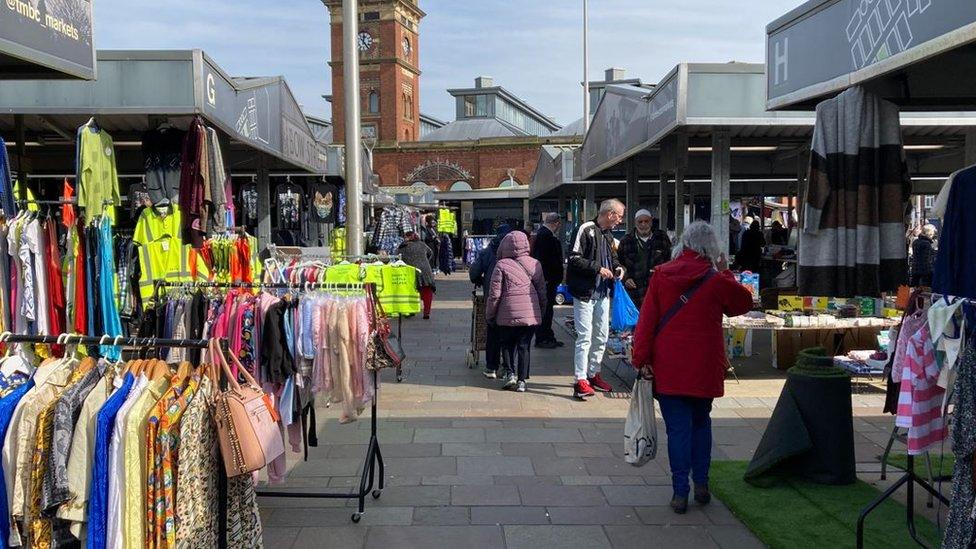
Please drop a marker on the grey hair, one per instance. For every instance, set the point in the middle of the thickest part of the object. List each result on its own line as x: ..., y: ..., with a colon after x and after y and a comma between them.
x: 700, y: 238
x: 611, y: 204
x: 551, y: 218
x: 929, y: 230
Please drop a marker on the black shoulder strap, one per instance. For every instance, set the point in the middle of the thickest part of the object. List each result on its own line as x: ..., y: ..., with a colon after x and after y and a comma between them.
x: 683, y: 300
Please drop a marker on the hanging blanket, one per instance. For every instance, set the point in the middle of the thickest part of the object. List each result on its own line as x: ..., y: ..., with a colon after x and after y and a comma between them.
x: 852, y: 241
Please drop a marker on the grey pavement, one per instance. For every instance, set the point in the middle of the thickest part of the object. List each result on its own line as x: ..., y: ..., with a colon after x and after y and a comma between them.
x: 469, y: 465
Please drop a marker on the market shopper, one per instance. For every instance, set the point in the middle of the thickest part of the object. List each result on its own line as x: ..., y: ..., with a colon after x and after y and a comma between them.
x: 640, y: 251
x: 415, y: 253
x: 679, y: 342
x: 779, y: 235
x: 750, y: 253
x: 428, y: 234
x: 590, y: 271
x: 923, y: 257
x: 514, y: 303
x: 480, y: 275
x: 548, y: 250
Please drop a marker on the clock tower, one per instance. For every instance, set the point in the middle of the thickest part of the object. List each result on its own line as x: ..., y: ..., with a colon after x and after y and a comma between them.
x: 389, y: 69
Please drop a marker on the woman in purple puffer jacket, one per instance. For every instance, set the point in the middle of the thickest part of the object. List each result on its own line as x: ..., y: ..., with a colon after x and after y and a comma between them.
x: 516, y: 299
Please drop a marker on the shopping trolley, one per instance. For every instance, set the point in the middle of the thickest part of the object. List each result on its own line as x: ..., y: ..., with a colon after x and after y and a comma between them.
x: 479, y: 329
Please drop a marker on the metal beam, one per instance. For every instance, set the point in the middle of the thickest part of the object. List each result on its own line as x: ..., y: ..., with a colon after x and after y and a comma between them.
x: 721, y: 186
x: 970, y: 150
x: 632, y: 191
x: 264, y: 203
x: 680, y: 166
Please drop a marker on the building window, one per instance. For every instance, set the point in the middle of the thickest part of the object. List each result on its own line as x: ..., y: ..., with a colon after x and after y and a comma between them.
x: 374, y: 101
x: 929, y: 202
x: 461, y: 186
x: 476, y: 106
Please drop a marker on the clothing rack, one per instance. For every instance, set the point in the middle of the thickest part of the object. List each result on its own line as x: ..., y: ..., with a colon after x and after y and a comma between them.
x: 60, y: 201
x: 373, y: 462
x: 909, y: 479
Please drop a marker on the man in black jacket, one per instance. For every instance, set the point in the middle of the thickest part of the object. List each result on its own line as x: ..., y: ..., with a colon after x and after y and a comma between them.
x: 549, y: 251
x: 640, y: 251
x: 590, y: 273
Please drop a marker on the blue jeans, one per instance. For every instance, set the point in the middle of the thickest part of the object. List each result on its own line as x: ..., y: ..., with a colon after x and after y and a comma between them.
x: 689, y: 428
x: 592, y: 320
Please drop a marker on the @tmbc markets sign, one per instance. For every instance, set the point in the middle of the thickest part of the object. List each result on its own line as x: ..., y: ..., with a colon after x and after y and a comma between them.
x: 46, y: 39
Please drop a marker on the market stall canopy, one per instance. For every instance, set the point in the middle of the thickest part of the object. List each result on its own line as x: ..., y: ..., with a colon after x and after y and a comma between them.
x: 46, y: 40
x: 696, y: 100
x: 554, y: 168
x: 918, y: 53
x: 137, y: 91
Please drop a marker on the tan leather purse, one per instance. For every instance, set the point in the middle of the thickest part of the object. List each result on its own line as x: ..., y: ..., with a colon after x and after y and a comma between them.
x: 247, y: 422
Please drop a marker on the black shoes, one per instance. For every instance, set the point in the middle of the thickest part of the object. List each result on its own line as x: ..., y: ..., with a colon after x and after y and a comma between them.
x: 702, y: 495
x: 679, y: 505
x: 546, y: 344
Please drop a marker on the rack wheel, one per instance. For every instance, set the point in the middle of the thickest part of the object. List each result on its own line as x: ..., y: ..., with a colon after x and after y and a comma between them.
x: 399, y: 375
x: 377, y: 494
x: 356, y: 517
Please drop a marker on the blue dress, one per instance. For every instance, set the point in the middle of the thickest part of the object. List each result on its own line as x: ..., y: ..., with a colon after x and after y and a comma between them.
x: 110, y: 312
x: 7, y: 406
x: 98, y: 501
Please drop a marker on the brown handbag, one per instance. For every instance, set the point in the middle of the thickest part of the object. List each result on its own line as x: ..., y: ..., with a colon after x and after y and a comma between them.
x: 383, y: 349
x: 247, y: 422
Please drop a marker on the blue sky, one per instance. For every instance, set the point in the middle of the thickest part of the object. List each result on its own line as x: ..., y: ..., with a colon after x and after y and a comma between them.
x: 532, y: 47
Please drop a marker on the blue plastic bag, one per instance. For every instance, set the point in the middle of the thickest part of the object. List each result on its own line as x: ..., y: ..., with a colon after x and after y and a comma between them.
x: 623, y: 313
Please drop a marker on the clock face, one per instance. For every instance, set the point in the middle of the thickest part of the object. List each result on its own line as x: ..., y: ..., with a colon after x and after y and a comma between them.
x: 365, y: 41
x: 406, y: 46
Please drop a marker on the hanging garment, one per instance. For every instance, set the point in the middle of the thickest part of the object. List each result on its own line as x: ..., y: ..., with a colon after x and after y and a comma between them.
x: 196, y: 491
x: 135, y: 456
x: 161, y: 151
x: 7, y: 205
x: 98, y: 503
x: 961, y: 525
x: 193, y: 191
x: 218, y: 177
x: 955, y: 262
x: 98, y: 180
x: 852, y: 239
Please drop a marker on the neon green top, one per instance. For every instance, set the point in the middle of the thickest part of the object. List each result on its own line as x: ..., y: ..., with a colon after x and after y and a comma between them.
x: 99, y: 178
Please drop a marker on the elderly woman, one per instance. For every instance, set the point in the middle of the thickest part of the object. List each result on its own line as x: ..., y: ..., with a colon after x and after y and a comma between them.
x: 415, y: 253
x: 923, y: 257
x: 679, y: 342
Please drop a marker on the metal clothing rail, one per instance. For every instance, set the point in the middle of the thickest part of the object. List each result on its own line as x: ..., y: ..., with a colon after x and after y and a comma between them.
x: 115, y: 341
x: 373, y: 462
x: 910, y: 478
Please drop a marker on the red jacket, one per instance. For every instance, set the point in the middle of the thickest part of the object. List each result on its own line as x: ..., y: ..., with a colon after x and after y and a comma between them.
x: 688, y: 356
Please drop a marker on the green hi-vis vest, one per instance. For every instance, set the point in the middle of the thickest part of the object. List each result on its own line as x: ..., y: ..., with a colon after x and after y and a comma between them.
x: 162, y: 254
x: 343, y: 273
x: 399, y: 294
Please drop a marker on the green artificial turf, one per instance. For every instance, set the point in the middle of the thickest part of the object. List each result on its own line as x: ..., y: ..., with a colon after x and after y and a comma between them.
x: 941, y: 464
x: 798, y: 514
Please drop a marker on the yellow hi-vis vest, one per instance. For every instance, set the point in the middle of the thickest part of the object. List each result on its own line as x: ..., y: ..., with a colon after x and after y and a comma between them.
x: 399, y: 294
x: 162, y: 254
x: 446, y: 221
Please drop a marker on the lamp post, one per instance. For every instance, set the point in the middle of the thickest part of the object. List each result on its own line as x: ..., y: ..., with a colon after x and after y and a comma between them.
x: 586, y: 80
x: 352, y: 107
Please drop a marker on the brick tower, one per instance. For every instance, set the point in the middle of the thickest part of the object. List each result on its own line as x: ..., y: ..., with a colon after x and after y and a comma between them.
x: 389, y: 69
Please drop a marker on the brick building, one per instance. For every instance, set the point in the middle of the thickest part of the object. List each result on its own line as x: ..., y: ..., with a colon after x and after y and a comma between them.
x: 481, y: 162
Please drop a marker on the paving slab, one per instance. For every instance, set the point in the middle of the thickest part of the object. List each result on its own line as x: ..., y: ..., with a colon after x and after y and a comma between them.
x: 441, y: 516
x: 425, y: 537
x: 504, y: 515
x: 672, y: 537
x: 562, y: 496
x: 316, y: 537
x: 555, y: 537
x: 498, y: 466
x: 638, y: 495
x: 485, y: 495
x: 471, y: 449
x: 593, y: 515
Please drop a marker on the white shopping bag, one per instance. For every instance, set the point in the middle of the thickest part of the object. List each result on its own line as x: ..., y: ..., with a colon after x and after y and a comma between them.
x: 640, y: 430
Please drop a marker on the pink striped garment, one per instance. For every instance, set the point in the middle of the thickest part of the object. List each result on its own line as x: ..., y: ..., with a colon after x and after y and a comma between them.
x: 920, y: 397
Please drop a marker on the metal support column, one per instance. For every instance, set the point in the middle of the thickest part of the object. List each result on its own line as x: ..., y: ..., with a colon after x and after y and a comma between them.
x: 589, y: 202
x: 264, y: 204
x: 21, y: 157
x: 632, y: 191
x: 721, y: 186
x: 680, y: 166
x: 526, y: 212
x: 351, y: 108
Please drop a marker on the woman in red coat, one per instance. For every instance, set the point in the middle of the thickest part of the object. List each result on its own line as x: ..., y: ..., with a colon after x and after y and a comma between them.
x: 679, y: 340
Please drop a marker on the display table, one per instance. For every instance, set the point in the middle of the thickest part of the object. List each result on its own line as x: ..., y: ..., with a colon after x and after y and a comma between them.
x: 787, y: 341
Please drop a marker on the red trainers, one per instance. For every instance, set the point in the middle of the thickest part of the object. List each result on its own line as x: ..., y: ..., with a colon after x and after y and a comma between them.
x: 582, y: 389
x: 600, y: 385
